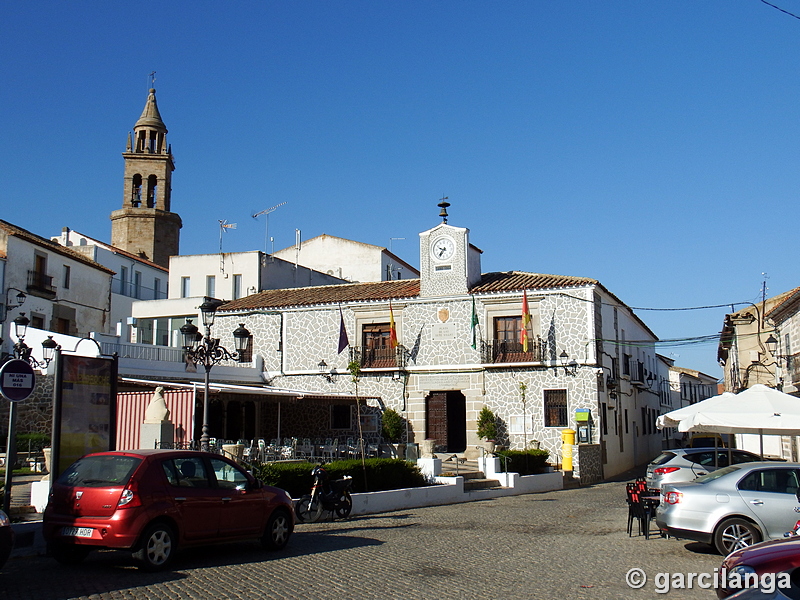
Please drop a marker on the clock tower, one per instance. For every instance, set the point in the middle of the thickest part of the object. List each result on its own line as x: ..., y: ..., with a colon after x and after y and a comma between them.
x: 144, y: 225
x: 449, y: 266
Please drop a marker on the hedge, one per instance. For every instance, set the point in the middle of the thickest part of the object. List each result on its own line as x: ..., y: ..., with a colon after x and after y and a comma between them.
x: 381, y: 474
x: 524, y: 462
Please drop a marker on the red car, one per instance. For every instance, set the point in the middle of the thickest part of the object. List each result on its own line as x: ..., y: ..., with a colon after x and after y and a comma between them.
x: 775, y: 556
x: 152, y: 502
x: 6, y: 538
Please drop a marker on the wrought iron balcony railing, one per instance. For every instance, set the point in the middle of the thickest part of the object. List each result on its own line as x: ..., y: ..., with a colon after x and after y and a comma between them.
x: 379, y: 358
x: 793, y: 367
x: 41, y: 284
x: 505, y: 351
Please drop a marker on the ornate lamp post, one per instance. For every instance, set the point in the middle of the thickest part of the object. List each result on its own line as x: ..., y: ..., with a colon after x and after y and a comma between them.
x: 21, y: 352
x: 207, y: 351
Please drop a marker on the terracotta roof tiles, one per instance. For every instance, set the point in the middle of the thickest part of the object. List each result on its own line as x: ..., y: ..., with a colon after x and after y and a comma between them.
x: 50, y: 245
x: 509, y: 281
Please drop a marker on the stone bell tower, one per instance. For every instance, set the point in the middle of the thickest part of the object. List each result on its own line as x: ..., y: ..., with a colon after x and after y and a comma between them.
x: 145, y: 226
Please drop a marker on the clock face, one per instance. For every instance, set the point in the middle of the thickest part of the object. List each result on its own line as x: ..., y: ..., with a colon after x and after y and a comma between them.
x: 443, y: 248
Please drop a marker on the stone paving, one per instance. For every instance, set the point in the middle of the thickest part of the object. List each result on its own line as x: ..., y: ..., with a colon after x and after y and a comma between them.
x: 564, y: 544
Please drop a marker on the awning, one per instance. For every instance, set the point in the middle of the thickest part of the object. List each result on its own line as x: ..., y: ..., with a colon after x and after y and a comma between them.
x: 230, y: 388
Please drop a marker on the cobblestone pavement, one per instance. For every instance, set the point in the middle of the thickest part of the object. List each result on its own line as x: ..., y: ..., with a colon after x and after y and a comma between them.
x: 568, y: 544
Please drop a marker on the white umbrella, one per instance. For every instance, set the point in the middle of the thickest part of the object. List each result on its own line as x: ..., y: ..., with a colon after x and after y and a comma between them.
x: 759, y: 409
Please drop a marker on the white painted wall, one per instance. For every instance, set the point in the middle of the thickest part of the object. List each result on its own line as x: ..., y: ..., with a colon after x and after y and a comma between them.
x: 347, y: 259
x: 150, y: 284
x: 88, y: 294
x: 259, y: 272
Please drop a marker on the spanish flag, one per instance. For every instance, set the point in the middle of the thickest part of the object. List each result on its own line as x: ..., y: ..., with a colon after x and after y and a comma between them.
x: 526, y: 319
x: 392, y: 329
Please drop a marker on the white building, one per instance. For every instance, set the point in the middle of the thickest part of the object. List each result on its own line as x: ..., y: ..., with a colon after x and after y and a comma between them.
x: 226, y: 276
x: 588, y: 356
x: 63, y: 290
x: 348, y: 260
x: 136, y: 278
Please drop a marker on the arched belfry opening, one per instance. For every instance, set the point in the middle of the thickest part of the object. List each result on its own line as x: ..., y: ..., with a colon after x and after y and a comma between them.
x: 145, y: 226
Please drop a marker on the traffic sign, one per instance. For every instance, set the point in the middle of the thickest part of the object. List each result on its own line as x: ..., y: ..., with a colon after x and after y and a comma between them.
x: 17, y: 380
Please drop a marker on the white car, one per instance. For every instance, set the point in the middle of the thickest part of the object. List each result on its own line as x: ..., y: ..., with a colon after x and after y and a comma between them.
x: 687, y: 464
x: 733, y: 507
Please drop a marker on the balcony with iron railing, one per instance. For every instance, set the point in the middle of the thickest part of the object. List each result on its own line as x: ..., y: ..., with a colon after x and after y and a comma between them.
x: 379, y: 358
x: 506, y: 351
x: 637, y: 372
x: 41, y: 284
x: 793, y: 368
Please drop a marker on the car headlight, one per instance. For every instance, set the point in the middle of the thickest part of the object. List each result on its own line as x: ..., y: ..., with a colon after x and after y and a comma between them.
x: 742, y: 570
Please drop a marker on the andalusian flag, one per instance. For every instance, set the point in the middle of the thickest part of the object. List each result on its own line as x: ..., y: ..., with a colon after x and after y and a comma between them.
x: 474, y: 325
x: 392, y: 329
x: 526, y: 319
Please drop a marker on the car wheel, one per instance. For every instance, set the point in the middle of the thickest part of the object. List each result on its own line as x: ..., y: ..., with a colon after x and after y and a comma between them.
x: 68, y: 554
x: 279, y: 528
x: 734, y: 534
x: 344, y: 505
x: 158, y: 547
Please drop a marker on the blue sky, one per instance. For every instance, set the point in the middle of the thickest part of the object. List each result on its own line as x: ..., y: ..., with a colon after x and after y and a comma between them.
x: 650, y: 145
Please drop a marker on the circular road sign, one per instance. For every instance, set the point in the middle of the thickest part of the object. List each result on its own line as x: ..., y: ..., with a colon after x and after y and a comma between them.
x: 17, y: 380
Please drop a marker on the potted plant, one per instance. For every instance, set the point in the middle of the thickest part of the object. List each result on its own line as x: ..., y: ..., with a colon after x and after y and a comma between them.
x: 392, y: 427
x: 487, y: 428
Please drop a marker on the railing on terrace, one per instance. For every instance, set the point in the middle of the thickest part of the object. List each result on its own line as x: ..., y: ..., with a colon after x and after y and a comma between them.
x: 144, y: 352
x: 504, y: 351
x: 140, y: 292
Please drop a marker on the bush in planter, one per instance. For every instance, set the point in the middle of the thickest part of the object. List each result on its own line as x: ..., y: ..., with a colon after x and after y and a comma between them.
x: 392, y: 425
x: 487, y: 424
x: 524, y: 462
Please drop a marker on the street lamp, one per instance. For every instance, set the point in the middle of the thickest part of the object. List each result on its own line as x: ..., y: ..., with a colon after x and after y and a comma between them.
x: 772, y: 344
x: 207, y: 351
x: 21, y: 352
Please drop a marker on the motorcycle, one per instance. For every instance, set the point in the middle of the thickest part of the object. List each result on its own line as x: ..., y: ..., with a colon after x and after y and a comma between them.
x: 333, y: 496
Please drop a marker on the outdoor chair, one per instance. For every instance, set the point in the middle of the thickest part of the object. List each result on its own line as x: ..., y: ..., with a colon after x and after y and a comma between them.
x: 330, y: 450
x: 641, y: 510
x: 305, y: 449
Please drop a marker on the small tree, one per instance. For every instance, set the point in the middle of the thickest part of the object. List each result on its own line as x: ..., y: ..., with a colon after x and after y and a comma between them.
x: 487, y: 424
x: 392, y: 425
x: 355, y: 375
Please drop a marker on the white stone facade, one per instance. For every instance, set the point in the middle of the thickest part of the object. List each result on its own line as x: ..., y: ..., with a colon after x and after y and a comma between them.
x: 586, y: 334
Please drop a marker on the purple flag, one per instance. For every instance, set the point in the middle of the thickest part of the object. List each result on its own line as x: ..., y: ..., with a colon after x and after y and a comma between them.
x: 343, y: 341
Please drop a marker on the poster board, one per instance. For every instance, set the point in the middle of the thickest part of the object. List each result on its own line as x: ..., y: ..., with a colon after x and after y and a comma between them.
x: 84, y: 415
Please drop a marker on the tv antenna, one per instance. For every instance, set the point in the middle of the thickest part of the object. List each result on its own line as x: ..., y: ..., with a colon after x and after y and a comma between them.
x: 223, y: 227
x: 266, y: 231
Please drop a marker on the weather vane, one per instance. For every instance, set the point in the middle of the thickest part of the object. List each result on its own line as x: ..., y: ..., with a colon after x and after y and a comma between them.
x: 152, y: 79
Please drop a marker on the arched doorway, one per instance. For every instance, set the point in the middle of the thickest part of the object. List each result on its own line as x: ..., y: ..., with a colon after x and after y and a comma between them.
x: 446, y: 420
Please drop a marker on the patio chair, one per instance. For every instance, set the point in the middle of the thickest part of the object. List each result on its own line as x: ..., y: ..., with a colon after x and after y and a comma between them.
x: 330, y: 449
x: 304, y: 449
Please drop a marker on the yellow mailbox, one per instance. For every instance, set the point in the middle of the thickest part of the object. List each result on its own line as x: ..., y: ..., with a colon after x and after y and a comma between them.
x: 567, y: 441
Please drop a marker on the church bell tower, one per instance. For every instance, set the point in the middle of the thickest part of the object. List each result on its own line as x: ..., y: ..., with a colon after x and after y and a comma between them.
x: 144, y: 225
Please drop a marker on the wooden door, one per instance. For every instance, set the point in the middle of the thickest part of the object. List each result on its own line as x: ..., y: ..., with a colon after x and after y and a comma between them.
x: 436, y: 419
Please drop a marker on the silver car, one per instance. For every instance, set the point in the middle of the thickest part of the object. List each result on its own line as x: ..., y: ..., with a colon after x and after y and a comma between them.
x: 733, y: 507
x: 687, y: 464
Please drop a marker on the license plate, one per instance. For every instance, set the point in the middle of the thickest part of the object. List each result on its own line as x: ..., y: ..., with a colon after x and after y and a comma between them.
x: 82, y: 532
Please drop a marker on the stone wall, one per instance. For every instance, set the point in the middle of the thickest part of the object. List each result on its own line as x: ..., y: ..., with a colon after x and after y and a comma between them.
x: 34, y: 415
